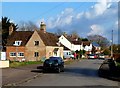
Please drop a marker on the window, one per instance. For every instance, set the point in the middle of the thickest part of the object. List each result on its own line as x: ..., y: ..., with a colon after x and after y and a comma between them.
x: 36, y: 54
x: 12, y: 54
x: 36, y: 43
x: 67, y: 53
x: 17, y: 43
x: 20, y: 54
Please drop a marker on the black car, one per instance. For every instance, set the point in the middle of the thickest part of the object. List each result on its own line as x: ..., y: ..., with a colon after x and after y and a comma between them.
x: 53, y: 64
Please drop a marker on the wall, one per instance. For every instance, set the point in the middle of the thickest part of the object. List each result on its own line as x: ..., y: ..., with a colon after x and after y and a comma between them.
x: 14, y: 49
x: 3, y: 56
x: 65, y: 42
x: 50, y: 51
x: 4, y: 64
x: 31, y: 48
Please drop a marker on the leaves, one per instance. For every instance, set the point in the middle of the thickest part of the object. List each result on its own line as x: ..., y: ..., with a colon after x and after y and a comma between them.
x: 4, y: 26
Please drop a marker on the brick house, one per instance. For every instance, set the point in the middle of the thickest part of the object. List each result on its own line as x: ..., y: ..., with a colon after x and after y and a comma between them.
x: 32, y: 45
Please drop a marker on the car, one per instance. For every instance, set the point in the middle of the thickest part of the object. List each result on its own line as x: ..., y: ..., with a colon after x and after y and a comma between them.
x: 101, y: 56
x: 53, y: 64
x: 92, y: 56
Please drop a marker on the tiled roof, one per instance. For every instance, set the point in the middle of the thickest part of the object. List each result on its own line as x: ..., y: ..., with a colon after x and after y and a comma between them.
x: 49, y: 39
x: 23, y: 36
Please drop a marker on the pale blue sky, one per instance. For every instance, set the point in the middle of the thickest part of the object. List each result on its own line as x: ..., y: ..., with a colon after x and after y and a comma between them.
x: 32, y: 11
x: 85, y: 18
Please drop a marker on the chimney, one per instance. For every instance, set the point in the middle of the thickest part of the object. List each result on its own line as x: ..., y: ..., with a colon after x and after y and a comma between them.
x: 43, y: 27
x: 10, y: 29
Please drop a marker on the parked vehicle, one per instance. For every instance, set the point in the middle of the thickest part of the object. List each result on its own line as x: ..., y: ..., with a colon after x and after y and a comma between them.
x: 101, y: 56
x: 92, y: 56
x: 53, y: 64
x: 68, y: 54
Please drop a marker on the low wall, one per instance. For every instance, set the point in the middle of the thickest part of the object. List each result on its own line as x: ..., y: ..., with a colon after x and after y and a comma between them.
x: 4, y: 64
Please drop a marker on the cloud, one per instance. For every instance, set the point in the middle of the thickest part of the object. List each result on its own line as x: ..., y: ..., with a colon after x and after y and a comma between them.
x: 96, y: 30
x: 98, y: 19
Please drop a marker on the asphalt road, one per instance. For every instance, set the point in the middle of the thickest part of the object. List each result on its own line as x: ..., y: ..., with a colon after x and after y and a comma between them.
x: 79, y: 73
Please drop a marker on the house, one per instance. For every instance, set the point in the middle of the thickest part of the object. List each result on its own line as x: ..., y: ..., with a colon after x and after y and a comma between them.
x: 73, y: 44
x: 97, y: 48
x: 32, y: 45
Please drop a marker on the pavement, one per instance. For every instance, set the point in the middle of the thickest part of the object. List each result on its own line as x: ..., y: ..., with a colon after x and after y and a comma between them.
x: 13, y: 76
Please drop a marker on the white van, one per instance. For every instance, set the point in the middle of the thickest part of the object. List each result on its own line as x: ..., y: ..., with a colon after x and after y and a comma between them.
x: 68, y: 54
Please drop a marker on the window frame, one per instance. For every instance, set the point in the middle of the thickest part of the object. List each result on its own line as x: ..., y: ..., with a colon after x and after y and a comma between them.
x: 36, y: 54
x: 36, y: 43
x: 11, y: 54
x: 20, y: 54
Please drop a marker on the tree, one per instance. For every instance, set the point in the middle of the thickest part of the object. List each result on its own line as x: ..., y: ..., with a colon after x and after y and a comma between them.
x: 116, y: 48
x: 84, y: 39
x: 106, y: 52
x: 5, y: 30
x: 102, y: 41
x: 27, y: 26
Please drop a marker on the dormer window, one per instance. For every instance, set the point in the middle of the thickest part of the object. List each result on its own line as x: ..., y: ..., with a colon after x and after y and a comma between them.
x: 17, y: 43
x: 36, y: 43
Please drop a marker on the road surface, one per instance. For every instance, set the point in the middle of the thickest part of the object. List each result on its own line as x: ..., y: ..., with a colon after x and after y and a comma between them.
x: 79, y: 73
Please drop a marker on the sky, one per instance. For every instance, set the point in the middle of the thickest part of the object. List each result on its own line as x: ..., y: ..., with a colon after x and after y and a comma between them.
x: 85, y: 18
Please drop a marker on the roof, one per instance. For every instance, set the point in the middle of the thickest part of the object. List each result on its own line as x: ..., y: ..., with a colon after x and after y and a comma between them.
x: 23, y: 36
x: 86, y: 43
x: 49, y: 39
x: 77, y: 42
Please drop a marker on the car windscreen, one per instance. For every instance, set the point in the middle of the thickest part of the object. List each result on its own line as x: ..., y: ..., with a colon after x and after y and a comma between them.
x: 51, y: 61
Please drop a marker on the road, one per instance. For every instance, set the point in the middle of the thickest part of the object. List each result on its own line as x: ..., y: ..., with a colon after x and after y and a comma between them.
x: 79, y: 73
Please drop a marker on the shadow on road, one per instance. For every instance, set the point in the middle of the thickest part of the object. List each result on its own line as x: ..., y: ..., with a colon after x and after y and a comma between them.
x: 76, y: 71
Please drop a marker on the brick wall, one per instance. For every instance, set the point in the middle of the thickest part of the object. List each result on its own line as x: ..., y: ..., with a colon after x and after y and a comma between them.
x: 16, y: 50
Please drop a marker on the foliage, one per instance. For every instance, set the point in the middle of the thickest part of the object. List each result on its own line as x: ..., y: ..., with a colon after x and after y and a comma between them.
x: 116, y: 48
x: 85, y: 39
x: 82, y: 52
x: 5, y: 29
x: 106, y: 52
x: 102, y: 41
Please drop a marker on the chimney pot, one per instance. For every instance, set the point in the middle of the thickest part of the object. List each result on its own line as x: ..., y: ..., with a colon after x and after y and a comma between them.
x: 43, y: 27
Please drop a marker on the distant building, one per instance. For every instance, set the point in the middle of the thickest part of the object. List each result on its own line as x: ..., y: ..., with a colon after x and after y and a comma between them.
x: 97, y: 48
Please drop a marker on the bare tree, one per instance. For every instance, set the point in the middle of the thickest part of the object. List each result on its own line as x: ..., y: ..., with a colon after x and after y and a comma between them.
x: 27, y: 26
x: 102, y: 41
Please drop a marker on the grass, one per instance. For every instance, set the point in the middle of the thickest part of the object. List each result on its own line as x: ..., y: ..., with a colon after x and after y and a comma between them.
x: 118, y: 64
x: 14, y: 64
x: 17, y: 64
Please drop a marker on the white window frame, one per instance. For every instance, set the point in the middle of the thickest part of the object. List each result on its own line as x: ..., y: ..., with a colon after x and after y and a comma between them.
x: 17, y: 43
x: 19, y: 54
x: 12, y: 53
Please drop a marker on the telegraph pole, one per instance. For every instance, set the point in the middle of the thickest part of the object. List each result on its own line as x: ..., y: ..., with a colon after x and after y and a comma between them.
x: 112, y: 46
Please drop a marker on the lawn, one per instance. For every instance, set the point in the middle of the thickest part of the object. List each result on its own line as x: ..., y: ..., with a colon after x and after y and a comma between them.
x: 14, y: 64
x: 17, y: 64
x: 118, y: 64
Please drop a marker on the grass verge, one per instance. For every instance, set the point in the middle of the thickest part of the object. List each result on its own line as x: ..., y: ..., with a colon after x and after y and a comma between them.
x: 17, y: 64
